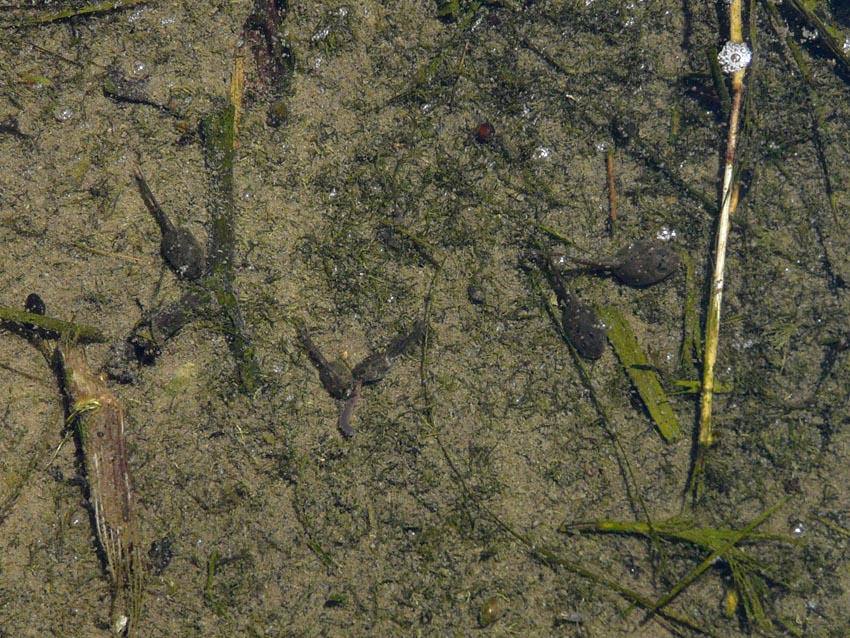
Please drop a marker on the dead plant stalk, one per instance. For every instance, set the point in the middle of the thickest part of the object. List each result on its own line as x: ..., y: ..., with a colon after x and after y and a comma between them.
x: 99, y: 417
x: 712, y: 325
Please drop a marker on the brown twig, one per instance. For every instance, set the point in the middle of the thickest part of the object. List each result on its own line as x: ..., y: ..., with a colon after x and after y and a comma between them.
x: 612, y: 191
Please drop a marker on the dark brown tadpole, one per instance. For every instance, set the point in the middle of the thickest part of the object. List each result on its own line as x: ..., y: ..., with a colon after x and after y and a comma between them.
x: 639, y: 264
x: 34, y: 304
x: 344, y: 384
x: 335, y: 376
x: 179, y: 248
x: 583, y: 328
x: 580, y: 323
x: 376, y: 366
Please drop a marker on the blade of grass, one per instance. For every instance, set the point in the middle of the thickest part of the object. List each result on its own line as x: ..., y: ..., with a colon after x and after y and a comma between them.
x: 65, y: 330
x: 641, y: 373
x: 831, y: 35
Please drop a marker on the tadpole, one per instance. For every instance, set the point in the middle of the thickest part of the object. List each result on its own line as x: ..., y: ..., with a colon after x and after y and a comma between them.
x: 179, y: 248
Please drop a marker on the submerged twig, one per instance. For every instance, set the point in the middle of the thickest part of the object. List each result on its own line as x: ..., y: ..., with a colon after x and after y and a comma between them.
x: 734, y: 58
x: 67, y: 14
x: 263, y: 35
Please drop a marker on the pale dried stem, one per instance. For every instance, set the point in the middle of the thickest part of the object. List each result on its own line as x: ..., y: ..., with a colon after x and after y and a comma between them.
x: 100, y: 419
x: 712, y: 324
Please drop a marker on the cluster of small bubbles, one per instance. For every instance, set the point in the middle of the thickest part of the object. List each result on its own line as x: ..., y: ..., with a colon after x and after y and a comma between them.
x: 845, y: 46
x: 542, y: 152
x: 809, y: 35
x: 667, y: 234
x: 321, y: 34
x: 63, y: 113
x: 734, y: 57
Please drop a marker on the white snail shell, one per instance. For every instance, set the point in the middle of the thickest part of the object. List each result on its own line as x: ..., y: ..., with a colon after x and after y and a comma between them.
x: 734, y: 57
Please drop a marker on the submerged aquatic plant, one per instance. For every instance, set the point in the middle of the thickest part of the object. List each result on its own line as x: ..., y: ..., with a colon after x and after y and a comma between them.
x: 749, y: 575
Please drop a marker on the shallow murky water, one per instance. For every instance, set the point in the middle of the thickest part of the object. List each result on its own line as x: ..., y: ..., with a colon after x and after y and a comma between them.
x: 374, y: 203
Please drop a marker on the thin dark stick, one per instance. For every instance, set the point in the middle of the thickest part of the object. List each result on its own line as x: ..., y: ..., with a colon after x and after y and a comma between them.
x: 612, y: 191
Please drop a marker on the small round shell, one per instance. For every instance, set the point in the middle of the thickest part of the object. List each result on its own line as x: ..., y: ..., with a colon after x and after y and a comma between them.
x: 734, y: 57
x: 491, y: 610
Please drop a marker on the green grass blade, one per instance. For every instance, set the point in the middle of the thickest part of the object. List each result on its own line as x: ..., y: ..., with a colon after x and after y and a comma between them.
x: 641, y: 373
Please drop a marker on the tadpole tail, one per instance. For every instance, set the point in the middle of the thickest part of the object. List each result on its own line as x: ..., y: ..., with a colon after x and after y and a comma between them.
x: 549, y: 266
x: 153, y: 206
x: 312, y: 350
x: 344, y: 421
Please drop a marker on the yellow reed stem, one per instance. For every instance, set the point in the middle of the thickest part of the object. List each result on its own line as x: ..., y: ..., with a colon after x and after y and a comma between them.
x: 706, y: 436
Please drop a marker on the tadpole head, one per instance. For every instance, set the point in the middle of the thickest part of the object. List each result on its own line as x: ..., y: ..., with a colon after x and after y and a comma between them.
x: 183, y: 253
